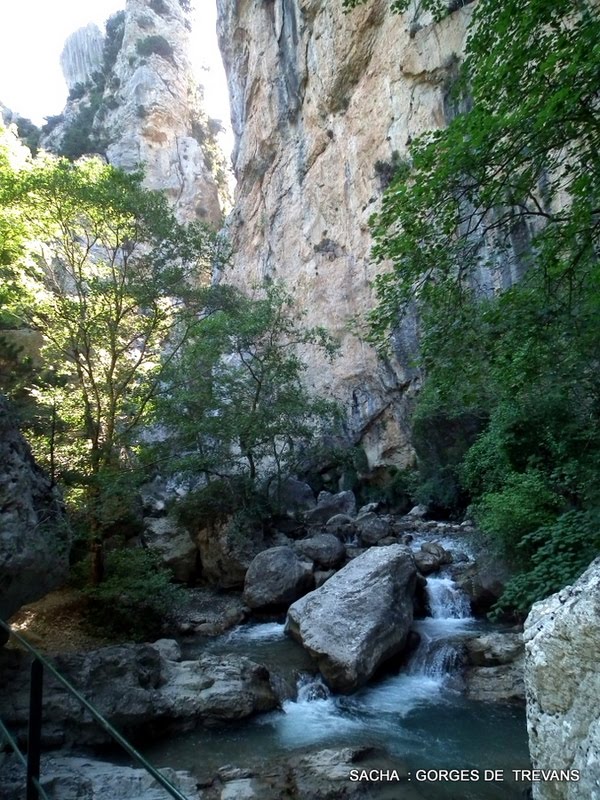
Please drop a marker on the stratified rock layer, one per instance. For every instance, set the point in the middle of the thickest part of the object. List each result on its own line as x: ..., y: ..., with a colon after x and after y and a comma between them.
x: 34, y: 540
x: 359, y: 618
x: 321, y: 100
x: 562, y: 681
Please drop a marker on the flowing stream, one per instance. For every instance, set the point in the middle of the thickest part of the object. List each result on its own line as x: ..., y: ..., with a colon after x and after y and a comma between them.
x: 416, y: 717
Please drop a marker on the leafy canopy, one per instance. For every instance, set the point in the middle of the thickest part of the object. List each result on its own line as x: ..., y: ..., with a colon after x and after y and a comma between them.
x: 236, y: 400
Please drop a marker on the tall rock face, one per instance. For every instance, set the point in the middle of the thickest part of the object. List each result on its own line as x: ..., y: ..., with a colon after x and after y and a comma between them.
x: 133, y: 98
x: 34, y: 540
x: 82, y: 55
x: 323, y: 104
x: 562, y: 681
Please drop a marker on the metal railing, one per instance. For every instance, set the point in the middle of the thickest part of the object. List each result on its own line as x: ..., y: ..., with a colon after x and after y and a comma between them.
x: 31, y: 761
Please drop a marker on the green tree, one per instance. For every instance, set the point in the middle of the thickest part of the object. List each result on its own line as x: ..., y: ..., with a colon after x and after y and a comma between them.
x: 493, y: 229
x: 112, y: 273
x: 237, y: 402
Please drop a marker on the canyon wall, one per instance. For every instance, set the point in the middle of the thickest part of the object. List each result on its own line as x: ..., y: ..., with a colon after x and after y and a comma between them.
x: 134, y: 99
x: 323, y: 103
x: 562, y: 682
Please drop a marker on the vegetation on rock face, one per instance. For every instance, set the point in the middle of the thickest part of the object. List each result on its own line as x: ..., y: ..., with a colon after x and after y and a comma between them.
x: 155, y: 45
x: 494, y: 229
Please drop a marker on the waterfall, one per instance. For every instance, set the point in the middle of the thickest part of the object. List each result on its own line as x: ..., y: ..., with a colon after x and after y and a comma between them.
x: 437, y: 655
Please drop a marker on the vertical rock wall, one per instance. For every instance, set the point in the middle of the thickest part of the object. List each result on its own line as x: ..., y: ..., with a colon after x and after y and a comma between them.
x: 320, y: 103
x: 34, y: 538
x: 562, y: 682
x: 155, y: 116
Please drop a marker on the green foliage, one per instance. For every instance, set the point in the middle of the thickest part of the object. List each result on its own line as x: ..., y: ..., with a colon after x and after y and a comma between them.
x: 103, y: 275
x: 221, y: 499
x: 29, y: 133
x: 79, y: 139
x: 115, y: 30
x: 136, y: 597
x: 493, y: 234
x: 558, y: 554
x: 155, y: 45
x: 523, y: 504
x: 237, y: 401
x: 51, y: 123
x: 77, y: 92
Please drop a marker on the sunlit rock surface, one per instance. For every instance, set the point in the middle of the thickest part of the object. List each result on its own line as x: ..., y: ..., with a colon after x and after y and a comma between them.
x: 150, y: 110
x: 320, y: 103
x: 82, y: 55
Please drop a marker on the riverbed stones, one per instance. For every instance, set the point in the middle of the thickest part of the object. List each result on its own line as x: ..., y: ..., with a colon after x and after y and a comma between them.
x: 492, y: 649
x: 293, y: 496
x: 562, y: 679
x: 341, y: 525
x: 77, y: 778
x: 277, y: 577
x: 359, y: 618
x: 324, y: 549
x: 496, y: 684
x: 142, y: 689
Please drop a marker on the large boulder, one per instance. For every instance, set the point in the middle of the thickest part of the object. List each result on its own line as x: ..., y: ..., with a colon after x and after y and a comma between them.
x: 324, y: 549
x: 34, y: 537
x: 144, y: 690
x: 293, y: 496
x: 359, y: 618
x: 562, y: 682
x: 173, y: 543
x: 328, y: 505
x: 277, y: 577
x: 372, y: 528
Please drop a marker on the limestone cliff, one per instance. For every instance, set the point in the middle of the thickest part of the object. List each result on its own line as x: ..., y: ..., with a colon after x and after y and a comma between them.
x: 562, y: 654
x: 133, y: 98
x: 322, y: 103
x: 34, y: 540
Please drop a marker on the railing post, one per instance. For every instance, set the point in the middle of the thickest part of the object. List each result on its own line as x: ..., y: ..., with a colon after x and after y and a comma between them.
x: 34, y: 736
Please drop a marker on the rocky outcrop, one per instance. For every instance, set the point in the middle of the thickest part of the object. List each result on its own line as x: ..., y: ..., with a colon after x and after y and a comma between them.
x: 76, y: 778
x: 143, y: 689
x: 34, y: 536
x: 134, y: 99
x: 323, y: 104
x: 226, y: 552
x: 495, y: 668
x: 173, y: 543
x: 562, y: 680
x: 277, y: 577
x: 82, y: 56
x: 359, y: 618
